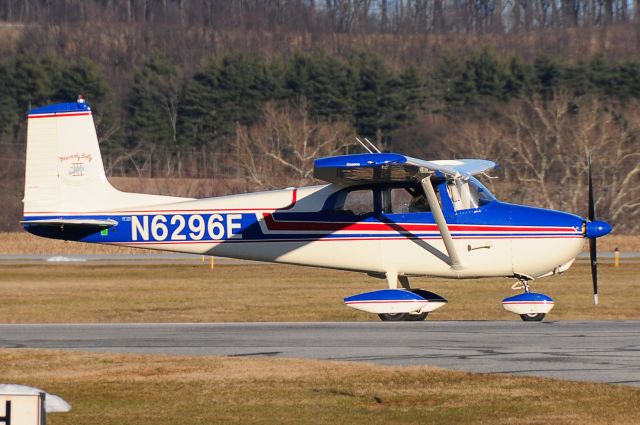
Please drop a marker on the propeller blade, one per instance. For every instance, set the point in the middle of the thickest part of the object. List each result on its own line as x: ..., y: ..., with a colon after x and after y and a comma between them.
x: 593, y: 251
x: 593, y: 254
x: 592, y: 210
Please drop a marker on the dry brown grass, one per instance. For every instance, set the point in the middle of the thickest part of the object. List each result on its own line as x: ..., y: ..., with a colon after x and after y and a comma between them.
x: 625, y: 243
x: 26, y: 243
x: 153, y: 389
x: 193, y: 293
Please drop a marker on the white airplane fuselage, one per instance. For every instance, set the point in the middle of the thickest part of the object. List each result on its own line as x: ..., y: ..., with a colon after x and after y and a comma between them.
x: 67, y: 196
x: 299, y: 226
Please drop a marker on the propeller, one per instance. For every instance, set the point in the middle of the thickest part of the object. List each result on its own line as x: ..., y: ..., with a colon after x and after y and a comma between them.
x: 593, y: 251
x: 594, y: 229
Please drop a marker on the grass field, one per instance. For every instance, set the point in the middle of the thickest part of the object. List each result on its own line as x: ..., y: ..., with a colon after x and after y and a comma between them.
x: 194, y: 293
x: 134, y: 389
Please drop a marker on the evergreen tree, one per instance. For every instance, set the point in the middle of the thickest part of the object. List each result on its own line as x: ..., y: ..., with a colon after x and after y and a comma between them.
x: 548, y: 76
x: 413, y: 91
x: 599, y: 76
x: 403, y: 96
x: 29, y: 81
x: 82, y: 77
x: 153, y: 104
x: 85, y: 78
x: 452, y: 84
x: 26, y: 82
x: 8, y: 108
x: 488, y: 73
x: 519, y: 79
x: 324, y: 82
x: 383, y: 101
x: 373, y: 79
x: 625, y: 78
x: 223, y: 94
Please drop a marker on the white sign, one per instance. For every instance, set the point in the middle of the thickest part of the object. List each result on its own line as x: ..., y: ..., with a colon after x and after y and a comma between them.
x: 22, y: 409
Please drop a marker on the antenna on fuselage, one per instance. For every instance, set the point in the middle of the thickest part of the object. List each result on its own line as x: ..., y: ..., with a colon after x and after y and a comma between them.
x: 364, y: 146
x: 372, y: 145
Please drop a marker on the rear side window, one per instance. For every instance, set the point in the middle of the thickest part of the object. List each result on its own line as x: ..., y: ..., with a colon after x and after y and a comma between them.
x: 356, y: 202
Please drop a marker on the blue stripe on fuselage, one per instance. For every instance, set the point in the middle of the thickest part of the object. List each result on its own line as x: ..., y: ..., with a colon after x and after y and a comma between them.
x: 244, y: 226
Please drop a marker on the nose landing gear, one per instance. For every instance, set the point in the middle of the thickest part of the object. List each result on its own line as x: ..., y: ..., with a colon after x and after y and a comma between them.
x: 531, y: 306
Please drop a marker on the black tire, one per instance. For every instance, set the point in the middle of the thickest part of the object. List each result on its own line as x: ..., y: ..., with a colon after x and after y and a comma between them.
x: 402, y: 317
x: 416, y: 317
x: 532, y: 317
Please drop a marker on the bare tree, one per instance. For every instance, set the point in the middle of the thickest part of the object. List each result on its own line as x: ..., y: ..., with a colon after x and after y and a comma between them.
x: 543, y: 146
x: 280, y: 150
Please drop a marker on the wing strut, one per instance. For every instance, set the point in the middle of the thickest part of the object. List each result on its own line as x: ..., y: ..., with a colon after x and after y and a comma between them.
x: 456, y: 263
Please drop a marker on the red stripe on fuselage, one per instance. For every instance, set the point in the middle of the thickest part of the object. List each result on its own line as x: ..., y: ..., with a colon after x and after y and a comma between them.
x: 323, y: 239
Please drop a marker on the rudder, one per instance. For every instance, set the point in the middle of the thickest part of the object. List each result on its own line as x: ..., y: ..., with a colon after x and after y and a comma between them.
x: 64, y: 169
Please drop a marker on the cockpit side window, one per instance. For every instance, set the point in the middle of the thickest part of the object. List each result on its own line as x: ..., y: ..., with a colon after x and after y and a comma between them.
x: 406, y: 199
x: 355, y: 202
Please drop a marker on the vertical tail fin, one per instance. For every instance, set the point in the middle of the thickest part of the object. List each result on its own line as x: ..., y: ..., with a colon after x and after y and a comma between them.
x: 64, y: 170
x: 63, y: 158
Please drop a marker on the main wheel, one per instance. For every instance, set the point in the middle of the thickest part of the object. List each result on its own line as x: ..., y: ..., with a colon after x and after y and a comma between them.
x: 402, y: 317
x: 416, y: 317
x: 532, y: 317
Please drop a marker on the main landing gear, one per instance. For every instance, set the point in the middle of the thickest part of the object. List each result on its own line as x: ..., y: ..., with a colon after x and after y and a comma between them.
x: 417, y: 316
x: 531, y: 306
x: 397, y: 305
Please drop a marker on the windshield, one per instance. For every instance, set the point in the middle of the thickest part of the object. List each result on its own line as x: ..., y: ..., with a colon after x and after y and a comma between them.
x: 482, y: 194
x: 468, y: 194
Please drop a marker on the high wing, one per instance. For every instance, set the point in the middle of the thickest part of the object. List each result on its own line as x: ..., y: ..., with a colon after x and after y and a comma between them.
x: 392, y: 167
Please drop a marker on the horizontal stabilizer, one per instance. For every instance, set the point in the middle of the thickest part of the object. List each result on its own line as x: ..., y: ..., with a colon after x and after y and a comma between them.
x: 392, y: 167
x: 74, y: 222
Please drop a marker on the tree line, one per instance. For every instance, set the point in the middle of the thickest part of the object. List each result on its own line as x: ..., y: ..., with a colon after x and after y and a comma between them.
x: 168, y: 109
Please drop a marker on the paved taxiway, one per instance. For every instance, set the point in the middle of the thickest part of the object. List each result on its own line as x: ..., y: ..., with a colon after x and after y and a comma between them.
x: 601, y: 351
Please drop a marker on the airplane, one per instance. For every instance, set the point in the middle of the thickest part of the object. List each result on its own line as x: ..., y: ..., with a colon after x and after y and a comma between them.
x: 385, y: 214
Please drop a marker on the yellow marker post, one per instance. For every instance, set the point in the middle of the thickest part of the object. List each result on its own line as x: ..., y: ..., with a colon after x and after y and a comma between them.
x: 202, y: 258
x: 212, y: 263
x: 616, y: 257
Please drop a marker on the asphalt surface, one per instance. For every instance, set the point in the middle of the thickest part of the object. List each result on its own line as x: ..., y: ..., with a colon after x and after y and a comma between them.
x: 599, y: 351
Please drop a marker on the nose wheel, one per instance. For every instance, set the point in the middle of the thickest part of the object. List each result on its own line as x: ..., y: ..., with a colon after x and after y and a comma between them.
x: 532, y: 317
